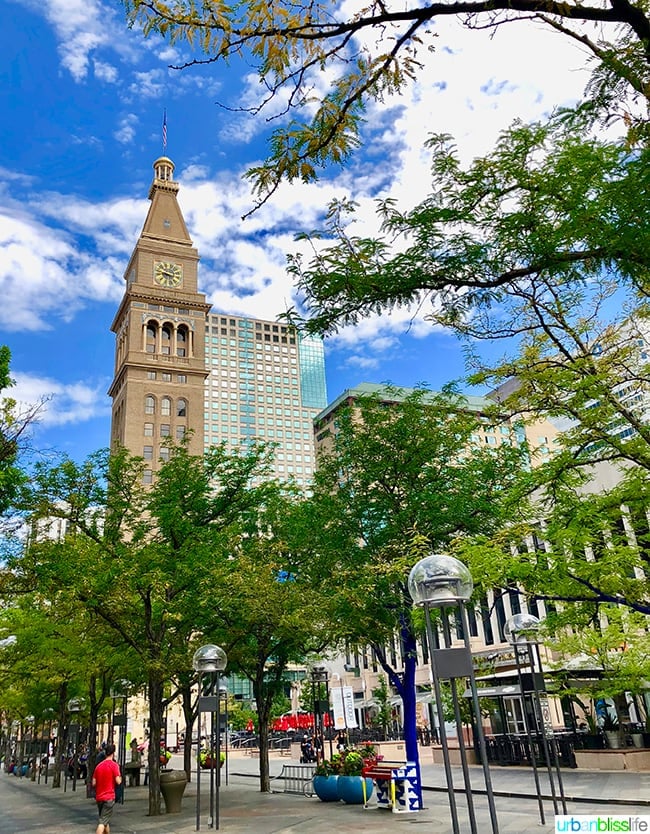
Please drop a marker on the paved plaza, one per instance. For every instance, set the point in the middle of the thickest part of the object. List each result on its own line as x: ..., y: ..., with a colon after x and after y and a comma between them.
x: 27, y: 806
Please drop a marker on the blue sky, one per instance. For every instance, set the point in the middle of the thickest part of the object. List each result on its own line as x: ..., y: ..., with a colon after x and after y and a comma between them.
x: 82, y: 101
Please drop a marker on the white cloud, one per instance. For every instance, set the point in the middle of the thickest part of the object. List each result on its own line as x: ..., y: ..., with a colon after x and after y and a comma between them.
x: 105, y: 72
x: 126, y: 131
x: 64, y: 403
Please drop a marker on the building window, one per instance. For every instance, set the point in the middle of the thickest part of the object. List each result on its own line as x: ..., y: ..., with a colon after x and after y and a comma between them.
x: 166, y: 377
x: 164, y: 453
x: 149, y: 405
x: 147, y: 476
x: 151, y: 374
x: 165, y: 430
x: 180, y: 432
x: 147, y: 453
x: 166, y: 407
x: 148, y: 429
x: 181, y: 408
x: 182, y: 378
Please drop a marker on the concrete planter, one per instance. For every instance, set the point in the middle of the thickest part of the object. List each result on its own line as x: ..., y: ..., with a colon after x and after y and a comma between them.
x: 172, y: 788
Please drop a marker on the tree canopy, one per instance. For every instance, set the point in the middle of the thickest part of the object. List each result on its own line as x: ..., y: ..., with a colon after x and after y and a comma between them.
x: 373, y: 51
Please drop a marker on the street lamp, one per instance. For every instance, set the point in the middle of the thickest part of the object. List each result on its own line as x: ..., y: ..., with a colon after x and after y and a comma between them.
x: 441, y: 581
x: 223, y: 693
x: 119, y: 694
x: 74, y: 706
x: 521, y: 632
x: 320, y: 675
x: 209, y: 660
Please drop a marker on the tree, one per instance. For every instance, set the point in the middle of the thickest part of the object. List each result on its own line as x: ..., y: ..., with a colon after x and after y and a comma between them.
x: 549, y: 209
x: 376, y: 51
x: 14, y: 426
x: 402, y: 477
x: 270, y: 608
x: 144, y: 560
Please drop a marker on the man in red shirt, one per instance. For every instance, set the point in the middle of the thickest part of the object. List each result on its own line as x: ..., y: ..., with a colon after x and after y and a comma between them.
x: 105, y: 777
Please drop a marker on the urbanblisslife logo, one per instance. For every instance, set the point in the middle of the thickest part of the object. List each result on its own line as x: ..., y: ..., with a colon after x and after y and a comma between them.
x: 600, y: 823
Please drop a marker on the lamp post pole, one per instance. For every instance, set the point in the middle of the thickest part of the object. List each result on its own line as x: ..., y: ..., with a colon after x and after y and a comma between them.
x: 74, y: 708
x: 209, y: 661
x: 520, y: 632
x: 442, y: 582
x: 119, y: 693
x: 319, y: 675
x: 223, y: 693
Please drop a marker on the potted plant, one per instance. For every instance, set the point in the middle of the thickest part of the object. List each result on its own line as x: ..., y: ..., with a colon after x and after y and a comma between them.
x: 350, y: 784
x: 610, y: 727
x: 325, y: 782
x: 592, y: 739
x: 208, y: 761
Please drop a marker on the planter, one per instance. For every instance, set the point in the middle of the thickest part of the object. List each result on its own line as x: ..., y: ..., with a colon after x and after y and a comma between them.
x: 593, y: 741
x: 637, y: 739
x: 613, y: 739
x: 350, y: 789
x: 325, y: 788
x: 210, y: 763
x: 172, y: 788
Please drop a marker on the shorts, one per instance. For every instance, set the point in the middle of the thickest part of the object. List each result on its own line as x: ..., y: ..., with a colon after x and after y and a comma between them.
x: 105, y: 808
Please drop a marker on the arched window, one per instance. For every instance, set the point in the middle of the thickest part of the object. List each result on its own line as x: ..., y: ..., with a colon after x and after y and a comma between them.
x: 149, y: 405
x: 166, y: 406
x: 166, y: 336
x: 151, y: 336
x: 182, y: 337
x: 181, y: 408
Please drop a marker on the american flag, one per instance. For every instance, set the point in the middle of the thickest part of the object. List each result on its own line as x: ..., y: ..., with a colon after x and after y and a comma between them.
x: 164, y: 130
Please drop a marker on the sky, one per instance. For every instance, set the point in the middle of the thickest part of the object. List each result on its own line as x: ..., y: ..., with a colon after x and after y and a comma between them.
x: 82, y: 99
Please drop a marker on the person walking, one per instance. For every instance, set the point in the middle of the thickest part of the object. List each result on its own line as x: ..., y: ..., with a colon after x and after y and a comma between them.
x: 105, y: 777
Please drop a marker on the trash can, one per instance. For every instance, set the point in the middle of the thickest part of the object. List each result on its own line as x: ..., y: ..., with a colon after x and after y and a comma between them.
x: 172, y: 787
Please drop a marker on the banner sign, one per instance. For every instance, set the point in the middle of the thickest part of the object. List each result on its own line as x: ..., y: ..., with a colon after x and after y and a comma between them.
x: 343, y: 708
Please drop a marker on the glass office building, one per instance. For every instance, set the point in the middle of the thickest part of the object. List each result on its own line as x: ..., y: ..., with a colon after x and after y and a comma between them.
x: 265, y: 382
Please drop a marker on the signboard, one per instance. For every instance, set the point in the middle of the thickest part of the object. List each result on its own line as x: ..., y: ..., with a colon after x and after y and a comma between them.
x: 545, y: 710
x: 343, y: 708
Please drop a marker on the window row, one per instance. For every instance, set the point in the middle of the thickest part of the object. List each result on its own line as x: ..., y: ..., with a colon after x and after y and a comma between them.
x: 166, y: 406
x: 167, y: 377
x: 165, y: 430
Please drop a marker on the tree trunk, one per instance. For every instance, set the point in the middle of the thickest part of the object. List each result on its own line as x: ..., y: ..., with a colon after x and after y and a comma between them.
x: 155, y: 728
x: 92, y: 727
x: 263, y: 711
x: 189, y: 714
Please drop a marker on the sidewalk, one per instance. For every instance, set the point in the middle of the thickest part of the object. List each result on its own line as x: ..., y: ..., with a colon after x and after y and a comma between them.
x: 31, y: 807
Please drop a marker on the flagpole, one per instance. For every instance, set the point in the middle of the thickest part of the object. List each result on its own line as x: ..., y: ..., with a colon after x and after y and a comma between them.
x: 164, y: 131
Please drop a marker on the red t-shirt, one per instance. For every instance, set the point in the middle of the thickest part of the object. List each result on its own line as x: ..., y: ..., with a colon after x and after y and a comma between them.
x: 104, y: 777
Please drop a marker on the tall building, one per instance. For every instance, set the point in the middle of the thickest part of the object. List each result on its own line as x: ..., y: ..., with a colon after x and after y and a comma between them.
x: 159, y: 331
x: 266, y: 382
x: 222, y: 377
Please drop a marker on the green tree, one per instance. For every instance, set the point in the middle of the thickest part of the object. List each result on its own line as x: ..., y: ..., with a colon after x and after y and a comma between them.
x: 381, y: 694
x: 144, y: 560
x: 376, y: 52
x: 14, y: 426
x: 402, y: 477
x: 270, y: 609
x: 549, y: 207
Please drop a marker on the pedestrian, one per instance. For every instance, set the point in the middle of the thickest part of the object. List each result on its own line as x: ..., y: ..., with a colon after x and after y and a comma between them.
x: 105, y: 777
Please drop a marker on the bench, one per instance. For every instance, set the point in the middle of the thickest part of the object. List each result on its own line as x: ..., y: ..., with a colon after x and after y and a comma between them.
x: 394, y: 785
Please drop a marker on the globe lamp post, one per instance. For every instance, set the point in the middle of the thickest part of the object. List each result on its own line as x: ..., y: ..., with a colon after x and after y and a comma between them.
x: 208, y: 662
x: 442, y: 582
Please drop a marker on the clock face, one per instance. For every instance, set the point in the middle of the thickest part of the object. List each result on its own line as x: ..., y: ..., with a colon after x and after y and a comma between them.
x: 168, y: 274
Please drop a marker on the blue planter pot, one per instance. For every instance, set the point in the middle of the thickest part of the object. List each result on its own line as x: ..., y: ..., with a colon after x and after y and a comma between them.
x: 350, y: 789
x: 325, y: 788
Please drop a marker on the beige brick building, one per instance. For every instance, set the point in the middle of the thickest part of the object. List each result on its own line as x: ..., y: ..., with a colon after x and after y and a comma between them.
x: 160, y: 369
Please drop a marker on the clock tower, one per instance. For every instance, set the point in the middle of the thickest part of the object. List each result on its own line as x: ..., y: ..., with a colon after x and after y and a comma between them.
x: 160, y: 368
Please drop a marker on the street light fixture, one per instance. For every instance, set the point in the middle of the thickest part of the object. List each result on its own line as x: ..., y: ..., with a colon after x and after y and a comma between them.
x: 440, y: 581
x: 209, y: 660
x: 119, y: 693
x: 74, y: 707
x: 320, y: 675
x: 521, y: 632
